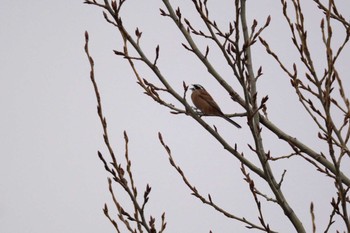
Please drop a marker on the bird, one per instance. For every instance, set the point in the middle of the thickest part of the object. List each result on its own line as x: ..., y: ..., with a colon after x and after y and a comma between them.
x: 206, y: 104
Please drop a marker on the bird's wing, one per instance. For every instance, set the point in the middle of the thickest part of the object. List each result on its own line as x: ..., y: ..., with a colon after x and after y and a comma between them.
x: 205, y: 96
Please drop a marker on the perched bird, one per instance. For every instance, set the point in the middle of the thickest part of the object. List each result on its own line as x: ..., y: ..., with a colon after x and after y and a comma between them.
x: 204, y: 102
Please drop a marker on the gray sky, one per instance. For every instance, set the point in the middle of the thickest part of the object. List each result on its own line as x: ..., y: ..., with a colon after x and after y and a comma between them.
x: 50, y: 176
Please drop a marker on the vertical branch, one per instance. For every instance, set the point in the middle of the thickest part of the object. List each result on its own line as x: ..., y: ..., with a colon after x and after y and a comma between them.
x: 253, y: 121
x: 99, y: 104
x: 330, y: 126
x: 248, y: 60
x: 313, y: 217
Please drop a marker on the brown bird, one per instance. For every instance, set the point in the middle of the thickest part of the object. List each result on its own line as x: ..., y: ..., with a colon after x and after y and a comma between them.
x: 204, y: 102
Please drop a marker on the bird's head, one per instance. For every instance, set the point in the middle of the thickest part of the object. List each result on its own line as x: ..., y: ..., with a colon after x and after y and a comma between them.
x: 197, y: 87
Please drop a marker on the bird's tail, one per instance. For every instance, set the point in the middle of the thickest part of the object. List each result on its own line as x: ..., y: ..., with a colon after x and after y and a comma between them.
x: 231, y: 121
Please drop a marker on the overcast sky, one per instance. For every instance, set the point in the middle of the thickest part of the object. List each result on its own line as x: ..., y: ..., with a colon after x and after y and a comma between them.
x: 51, y: 179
